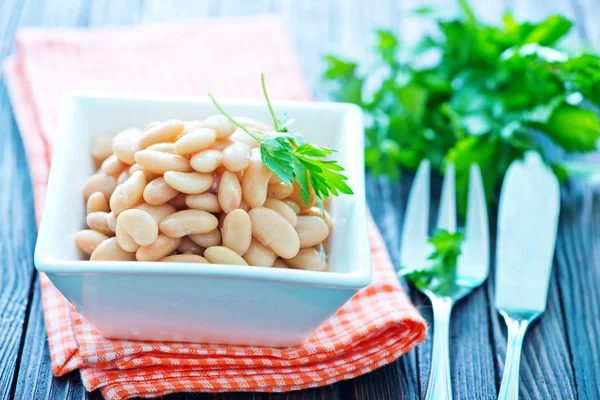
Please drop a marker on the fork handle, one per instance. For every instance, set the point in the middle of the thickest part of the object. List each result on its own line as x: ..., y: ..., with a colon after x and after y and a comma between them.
x: 439, y: 386
x: 509, y: 389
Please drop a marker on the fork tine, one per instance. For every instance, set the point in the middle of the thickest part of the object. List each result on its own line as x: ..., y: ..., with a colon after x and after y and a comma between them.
x: 474, y: 262
x: 447, y: 213
x: 416, y: 219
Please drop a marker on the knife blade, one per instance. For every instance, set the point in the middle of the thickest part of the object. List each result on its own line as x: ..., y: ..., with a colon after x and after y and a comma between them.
x: 527, y: 225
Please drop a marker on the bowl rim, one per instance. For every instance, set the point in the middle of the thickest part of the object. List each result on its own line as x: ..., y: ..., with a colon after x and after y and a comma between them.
x: 45, y: 263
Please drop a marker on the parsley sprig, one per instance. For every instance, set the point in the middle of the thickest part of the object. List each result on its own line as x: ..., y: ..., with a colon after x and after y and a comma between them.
x: 289, y: 157
x: 439, y: 275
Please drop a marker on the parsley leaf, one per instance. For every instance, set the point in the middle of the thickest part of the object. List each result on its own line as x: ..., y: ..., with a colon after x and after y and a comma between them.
x: 275, y: 154
x: 440, y: 273
x: 289, y: 157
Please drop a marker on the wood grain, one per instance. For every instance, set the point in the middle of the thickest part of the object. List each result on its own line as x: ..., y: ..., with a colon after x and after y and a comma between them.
x: 561, y: 355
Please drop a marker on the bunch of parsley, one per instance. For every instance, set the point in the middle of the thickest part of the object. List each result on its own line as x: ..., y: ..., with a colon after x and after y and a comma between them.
x: 492, y: 93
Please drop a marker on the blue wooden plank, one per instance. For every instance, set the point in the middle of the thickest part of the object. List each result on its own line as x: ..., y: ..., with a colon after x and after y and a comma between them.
x: 35, y: 379
x: 578, y: 280
x: 17, y: 232
x: 17, y: 238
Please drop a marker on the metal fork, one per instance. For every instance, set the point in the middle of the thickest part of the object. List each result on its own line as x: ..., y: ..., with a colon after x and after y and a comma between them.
x: 472, y: 266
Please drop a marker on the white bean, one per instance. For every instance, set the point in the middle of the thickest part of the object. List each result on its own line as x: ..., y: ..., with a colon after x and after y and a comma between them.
x: 203, y: 201
x: 209, y: 239
x: 236, y: 157
x: 128, y: 194
x: 311, y: 230
x: 113, y: 165
x: 163, y: 132
x: 308, y: 259
x: 126, y: 241
x: 223, y: 255
x: 206, y: 160
x: 255, y: 181
x: 221, y: 125
x: 316, y: 212
x: 158, y: 212
x: 159, y: 162
x: 195, y: 141
x: 296, y: 197
x: 162, y: 247
x: 259, y: 255
x: 230, y: 192
x: 274, y: 231
x: 97, y: 221
x: 158, y: 192
x: 242, y: 137
x: 101, y: 148
x: 99, y: 182
x: 188, y: 222
x: 150, y: 176
x: 97, y: 202
x: 109, y: 250
x: 111, y: 220
x: 279, y: 190
x: 140, y: 225
x: 189, y: 182
x: 126, y: 143
x: 237, y: 231
x: 282, y: 209
x: 87, y: 240
x: 165, y: 147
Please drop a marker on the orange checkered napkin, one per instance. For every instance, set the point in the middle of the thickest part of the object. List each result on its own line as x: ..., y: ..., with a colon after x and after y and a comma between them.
x: 226, y: 57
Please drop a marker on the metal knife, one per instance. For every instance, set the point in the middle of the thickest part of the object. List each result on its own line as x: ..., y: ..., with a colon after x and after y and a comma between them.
x: 527, y: 224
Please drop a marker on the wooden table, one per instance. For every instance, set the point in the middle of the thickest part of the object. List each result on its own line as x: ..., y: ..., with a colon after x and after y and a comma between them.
x: 561, y: 355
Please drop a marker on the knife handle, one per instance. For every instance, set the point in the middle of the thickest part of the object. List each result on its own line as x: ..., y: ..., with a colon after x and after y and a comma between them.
x: 509, y: 389
x: 439, y: 386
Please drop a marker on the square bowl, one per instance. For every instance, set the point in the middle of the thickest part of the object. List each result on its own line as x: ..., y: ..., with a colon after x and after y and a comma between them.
x: 205, y: 303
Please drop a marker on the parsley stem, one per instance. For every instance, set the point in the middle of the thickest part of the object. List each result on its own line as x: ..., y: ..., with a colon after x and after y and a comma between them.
x: 264, y: 88
x: 233, y: 121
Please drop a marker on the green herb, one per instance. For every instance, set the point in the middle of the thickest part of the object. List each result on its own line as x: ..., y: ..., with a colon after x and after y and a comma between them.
x: 289, y: 157
x: 490, y: 95
x: 439, y: 275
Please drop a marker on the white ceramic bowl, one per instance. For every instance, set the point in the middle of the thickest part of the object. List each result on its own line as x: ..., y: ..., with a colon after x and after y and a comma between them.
x: 208, y: 303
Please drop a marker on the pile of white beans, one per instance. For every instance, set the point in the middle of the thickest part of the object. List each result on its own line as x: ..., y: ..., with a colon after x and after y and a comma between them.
x: 197, y: 191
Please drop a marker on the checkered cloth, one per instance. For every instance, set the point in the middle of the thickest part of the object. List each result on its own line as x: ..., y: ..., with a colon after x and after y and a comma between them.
x: 374, y: 328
